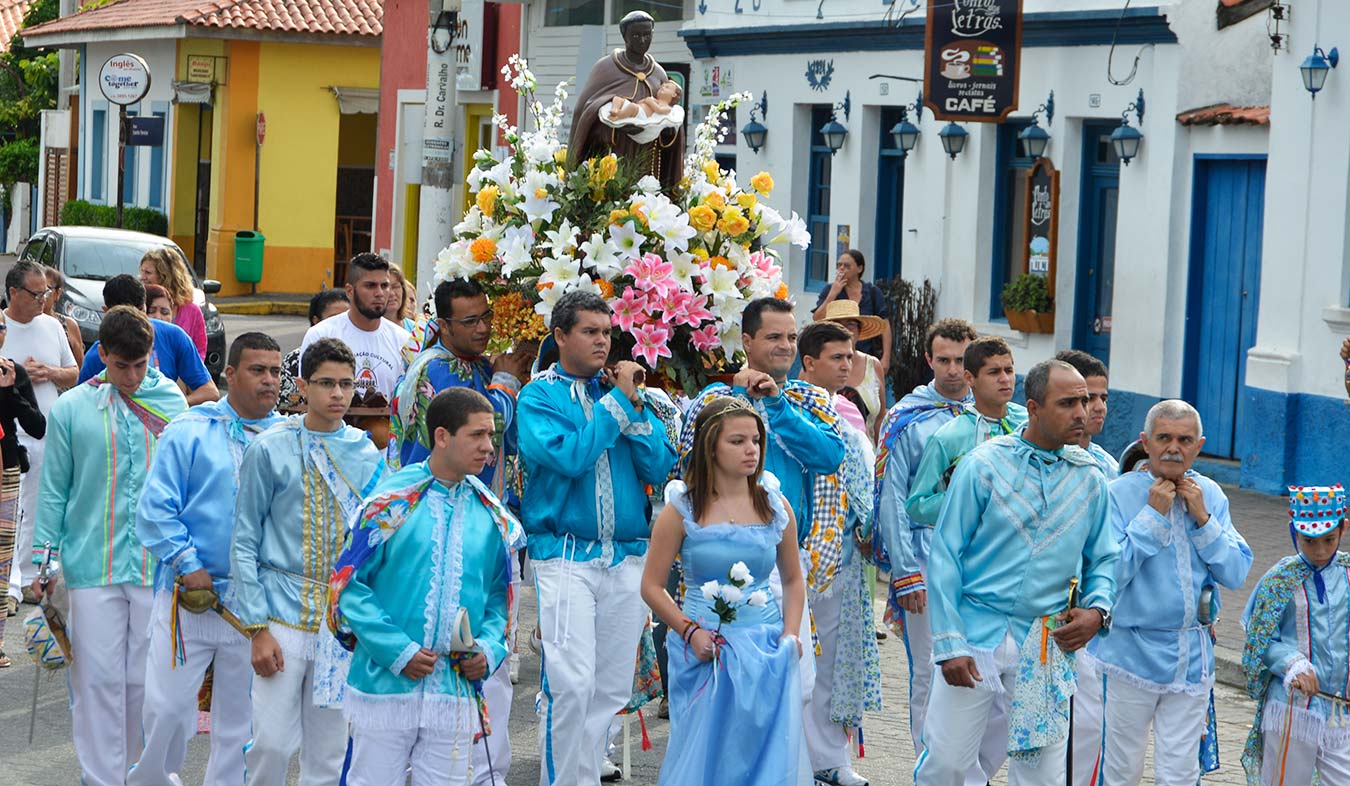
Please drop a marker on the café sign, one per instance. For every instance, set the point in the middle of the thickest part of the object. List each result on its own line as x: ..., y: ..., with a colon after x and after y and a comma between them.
x: 972, y: 53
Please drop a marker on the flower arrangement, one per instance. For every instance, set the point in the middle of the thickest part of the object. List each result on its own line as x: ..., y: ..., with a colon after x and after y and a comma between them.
x: 678, y: 269
x: 727, y: 597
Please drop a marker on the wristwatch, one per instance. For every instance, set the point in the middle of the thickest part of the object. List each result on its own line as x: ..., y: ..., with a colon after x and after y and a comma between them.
x: 1106, y: 618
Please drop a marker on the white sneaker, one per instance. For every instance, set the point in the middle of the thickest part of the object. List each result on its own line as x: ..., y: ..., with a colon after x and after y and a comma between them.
x: 536, y: 643
x: 515, y: 667
x: 840, y: 776
x: 609, y: 771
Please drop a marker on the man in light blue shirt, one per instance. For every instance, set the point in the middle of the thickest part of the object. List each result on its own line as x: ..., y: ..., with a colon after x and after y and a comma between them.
x: 186, y: 519
x: 100, y: 439
x: 1094, y: 373
x: 590, y: 442
x: 1176, y: 540
x: 1024, y: 519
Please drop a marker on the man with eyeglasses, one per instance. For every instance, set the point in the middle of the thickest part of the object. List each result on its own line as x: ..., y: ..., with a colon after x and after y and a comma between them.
x: 300, y: 483
x: 38, y: 342
x: 375, y: 342
x: 455, y: 359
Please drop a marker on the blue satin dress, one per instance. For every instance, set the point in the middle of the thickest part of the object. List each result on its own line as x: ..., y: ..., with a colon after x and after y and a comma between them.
x: 738, y: 720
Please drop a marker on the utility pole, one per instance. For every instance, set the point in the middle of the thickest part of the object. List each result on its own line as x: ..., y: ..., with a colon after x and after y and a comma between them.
x: 435, y: 214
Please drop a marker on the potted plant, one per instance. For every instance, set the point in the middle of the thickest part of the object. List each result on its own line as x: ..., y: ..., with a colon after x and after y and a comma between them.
x: 1028, y: 305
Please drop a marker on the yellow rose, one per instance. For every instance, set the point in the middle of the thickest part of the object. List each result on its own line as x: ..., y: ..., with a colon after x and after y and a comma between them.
x: 762, y: 182
x: 746, y: 200
x: 615, y: 216
x: 609, y: 166
x: 711, y: 170
x: 701, y: 253
x: 702, y: 218
x: 560, y: 156
x: 733, y: 222
x: 487, y: 200
x: 715, y: 199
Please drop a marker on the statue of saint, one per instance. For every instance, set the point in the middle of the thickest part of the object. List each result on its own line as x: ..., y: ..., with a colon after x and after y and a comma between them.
x: 629, y: 106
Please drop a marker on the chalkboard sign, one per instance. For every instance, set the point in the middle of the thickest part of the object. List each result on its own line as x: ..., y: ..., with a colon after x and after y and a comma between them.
x: 972, y: 52
x: 1042, y: 229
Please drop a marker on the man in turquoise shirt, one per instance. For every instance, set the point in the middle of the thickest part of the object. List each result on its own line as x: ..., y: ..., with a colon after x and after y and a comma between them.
x: 1025, y: 515
x: 422, y: 593
x: 590, y: 442
x: 101, y: 436
x: 186, y: 519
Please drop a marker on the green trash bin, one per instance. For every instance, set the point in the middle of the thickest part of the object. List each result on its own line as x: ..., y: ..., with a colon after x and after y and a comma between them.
x: 248, y: 257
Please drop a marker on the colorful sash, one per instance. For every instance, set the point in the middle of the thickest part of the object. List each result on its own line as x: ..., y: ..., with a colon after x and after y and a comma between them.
x: 150, y: 403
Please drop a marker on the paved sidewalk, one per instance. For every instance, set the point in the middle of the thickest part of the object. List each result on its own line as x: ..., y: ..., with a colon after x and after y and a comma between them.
x: 1263, y: 521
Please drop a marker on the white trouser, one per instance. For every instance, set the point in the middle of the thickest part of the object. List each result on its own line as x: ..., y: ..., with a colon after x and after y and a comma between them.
x: 1299, y: 759
x: 382, y: 758
x: 591, y: 618
x: 1087, y: 722
x: 171, y: 697
x: 919, y: 646
x: 108, y: 627
x: 285, y: 720
x: 961, y: 722
x: 1177, y: 719
x: 497, y: 693
x: 23, y: 571
x: 806, y: 664
x: 826, y: 741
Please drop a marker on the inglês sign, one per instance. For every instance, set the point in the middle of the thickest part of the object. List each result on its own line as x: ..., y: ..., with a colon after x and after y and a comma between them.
x: 124, y: 79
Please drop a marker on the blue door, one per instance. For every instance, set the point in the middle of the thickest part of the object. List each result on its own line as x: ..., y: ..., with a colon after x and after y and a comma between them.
x: 1095, y: 287
x: 890, y: 200
x: 1225, y: 273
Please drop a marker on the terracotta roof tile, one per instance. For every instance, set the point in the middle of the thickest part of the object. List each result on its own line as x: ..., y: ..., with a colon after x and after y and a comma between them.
x: 1226, y: 115
x: 11, y: 18
x: 323, y: 17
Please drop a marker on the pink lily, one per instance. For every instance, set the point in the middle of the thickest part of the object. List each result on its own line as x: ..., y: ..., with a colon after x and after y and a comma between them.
x: 653, y: 341
x: 696, y: 312
x: 650, y: 272
x: 705, y: 339
x: 765, y: 264
x: 630, y: 309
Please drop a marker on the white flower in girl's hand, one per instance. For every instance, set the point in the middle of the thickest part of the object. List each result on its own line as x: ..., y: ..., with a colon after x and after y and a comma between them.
x: 711, y: 589
x: 758, y: 598
x: 740, y: 574
x: 731, y: 593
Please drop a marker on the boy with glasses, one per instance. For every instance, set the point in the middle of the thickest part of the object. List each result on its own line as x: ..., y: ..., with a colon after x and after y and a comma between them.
x: 300, y: 484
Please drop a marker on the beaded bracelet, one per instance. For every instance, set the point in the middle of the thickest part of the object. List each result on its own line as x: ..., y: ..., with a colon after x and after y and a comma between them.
x: 690, y: 629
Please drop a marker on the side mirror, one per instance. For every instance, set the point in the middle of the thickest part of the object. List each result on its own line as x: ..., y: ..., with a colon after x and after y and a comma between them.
x: 210, y: 286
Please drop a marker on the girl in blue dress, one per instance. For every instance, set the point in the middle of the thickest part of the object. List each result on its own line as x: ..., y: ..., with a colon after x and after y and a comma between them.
x: 735, y: 698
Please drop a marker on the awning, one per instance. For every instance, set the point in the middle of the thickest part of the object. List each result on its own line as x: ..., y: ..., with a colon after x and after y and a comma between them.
x: 357, y: 100
x: 191, y: 92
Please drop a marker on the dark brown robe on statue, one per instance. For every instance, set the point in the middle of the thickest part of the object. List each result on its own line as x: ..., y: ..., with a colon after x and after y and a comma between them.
x: 590, y: 138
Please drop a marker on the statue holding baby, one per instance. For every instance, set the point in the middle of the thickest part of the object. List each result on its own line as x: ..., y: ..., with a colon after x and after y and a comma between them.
x: 630, y: 107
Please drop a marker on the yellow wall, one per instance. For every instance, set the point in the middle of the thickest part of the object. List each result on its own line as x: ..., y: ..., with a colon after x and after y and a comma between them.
x: 299, y: 158
x: 183, y: 186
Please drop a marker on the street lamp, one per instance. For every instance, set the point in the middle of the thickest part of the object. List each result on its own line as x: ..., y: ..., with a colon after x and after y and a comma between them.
x: 1127, y: 139
x: 905, y: 133
x: 1033, y: 138
x: 755, y: 131
x: 953, y: 139
x: 834, y: 132
x: 1315, y: 68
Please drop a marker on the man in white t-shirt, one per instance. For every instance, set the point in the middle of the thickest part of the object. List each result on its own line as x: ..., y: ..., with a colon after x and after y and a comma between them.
x: 38, y: 341
x: 375, y: 341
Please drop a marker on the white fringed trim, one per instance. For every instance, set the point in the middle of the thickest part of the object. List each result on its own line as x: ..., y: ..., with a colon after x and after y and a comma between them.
x: 206, y: 628
x: 295, y: 643
x: 1112, y: 671
x: 1308, y: 725
x: 407, y: 711
x: 1299, y: 666
x: 986, y: 662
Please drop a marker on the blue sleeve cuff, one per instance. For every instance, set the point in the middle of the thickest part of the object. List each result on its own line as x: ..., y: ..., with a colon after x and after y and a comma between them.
x: 947, y: 646
x: 631, y: 423
x: 185, y: 561
x: 404, y: 657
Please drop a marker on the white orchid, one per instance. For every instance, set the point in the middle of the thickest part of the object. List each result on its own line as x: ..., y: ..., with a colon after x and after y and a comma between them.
x: 758, y: 598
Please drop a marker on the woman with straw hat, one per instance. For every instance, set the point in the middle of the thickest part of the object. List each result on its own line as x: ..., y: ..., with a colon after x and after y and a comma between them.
x: 848, y: 285
x: 868, y: 376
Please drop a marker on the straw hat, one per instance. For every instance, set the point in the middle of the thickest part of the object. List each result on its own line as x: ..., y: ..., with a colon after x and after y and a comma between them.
x: 847, y: 310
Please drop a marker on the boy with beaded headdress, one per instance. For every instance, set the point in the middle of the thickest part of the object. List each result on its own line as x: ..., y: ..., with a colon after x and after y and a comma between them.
x: 1296, y: 659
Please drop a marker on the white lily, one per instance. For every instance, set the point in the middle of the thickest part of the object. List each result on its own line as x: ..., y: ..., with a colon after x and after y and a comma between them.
x: 562, y: 240
x: 548, y: 298
x: 561, y: 270
x: 626, y: 239
x: 602, y: 255
x: 514, y: 249
x: 721, y: 284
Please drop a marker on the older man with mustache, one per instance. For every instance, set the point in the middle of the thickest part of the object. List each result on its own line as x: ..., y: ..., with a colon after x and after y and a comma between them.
x: 1177, y: 541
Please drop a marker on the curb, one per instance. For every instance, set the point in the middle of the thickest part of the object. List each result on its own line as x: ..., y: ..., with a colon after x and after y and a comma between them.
x: 264, y: 308
x: 1228, y: 668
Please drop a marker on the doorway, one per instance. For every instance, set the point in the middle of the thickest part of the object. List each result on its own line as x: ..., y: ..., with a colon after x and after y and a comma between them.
x: 1227, y: 208
x: 890, y: 199
x: 1095, y: 288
